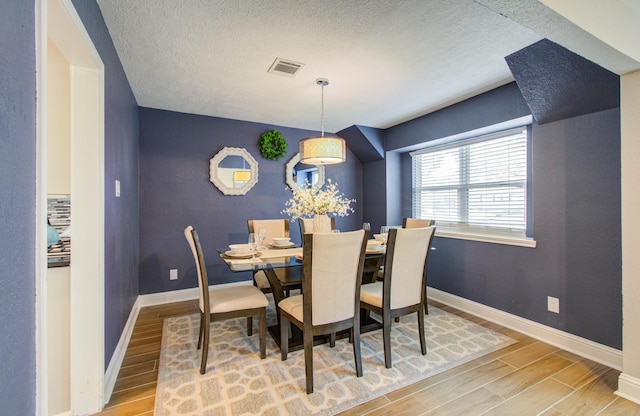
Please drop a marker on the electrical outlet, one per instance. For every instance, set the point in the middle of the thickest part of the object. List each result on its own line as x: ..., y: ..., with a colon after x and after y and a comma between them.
x: 553, y: 304
x: 173, y: 274
x: 117, y: 188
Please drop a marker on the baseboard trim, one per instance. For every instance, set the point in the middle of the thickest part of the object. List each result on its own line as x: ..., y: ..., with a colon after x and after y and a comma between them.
x: 111, y: 375
x: 597, y: 352
x: 161, y: 298
x: 629, y: 388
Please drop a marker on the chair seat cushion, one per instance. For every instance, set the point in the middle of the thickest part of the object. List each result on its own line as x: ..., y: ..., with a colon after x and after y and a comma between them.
x: 236, y: 298
x: 293, y: 306
x: 372, y: 294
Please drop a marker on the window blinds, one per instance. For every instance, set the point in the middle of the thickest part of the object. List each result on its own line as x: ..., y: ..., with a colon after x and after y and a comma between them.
x: 480, y: 182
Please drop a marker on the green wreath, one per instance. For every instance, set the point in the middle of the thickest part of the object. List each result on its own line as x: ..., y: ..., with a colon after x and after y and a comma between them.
x: 272, y: 145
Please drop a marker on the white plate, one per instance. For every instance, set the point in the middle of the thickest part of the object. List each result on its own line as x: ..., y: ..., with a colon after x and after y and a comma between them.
x: 288, y: 245
x: 240, y: 256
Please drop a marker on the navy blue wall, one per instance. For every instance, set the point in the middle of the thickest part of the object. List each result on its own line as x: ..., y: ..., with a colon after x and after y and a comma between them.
x: 121, y: 162
x: 576, y: 217
x: 175, y: 191
x: 17, y: 207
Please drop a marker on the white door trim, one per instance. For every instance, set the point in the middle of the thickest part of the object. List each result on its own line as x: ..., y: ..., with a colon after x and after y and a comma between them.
x: 58, y: 20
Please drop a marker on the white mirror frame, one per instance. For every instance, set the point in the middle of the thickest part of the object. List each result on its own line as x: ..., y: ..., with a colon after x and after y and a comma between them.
x: 233, y: 151
x: 289, y: 173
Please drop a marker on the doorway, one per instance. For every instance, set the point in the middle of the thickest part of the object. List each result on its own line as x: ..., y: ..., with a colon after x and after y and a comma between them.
x: 59, y: 23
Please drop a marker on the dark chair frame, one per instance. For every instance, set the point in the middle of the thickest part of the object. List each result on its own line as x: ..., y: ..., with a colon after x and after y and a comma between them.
x: 206, y: 318
x: 309, y: 330
x: 386, y: 312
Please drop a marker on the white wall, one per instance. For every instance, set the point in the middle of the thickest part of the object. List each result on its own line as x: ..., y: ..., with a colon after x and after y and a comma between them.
x: 58, y: 279
x: 58, y: 123
x: 629, y: 383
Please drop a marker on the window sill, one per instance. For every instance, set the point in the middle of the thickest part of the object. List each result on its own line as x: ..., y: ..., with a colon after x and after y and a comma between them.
x: 487, y: 238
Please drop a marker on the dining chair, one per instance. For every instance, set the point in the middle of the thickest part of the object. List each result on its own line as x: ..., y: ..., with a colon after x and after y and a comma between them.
x: 403, y: 288
x: 218, y: 304
x: 332, y: 264
x: 306, y: 225
x: 274, y: 228
x: 417, y: 223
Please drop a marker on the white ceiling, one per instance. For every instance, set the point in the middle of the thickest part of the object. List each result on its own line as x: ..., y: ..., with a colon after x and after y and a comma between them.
x: 387, y: 61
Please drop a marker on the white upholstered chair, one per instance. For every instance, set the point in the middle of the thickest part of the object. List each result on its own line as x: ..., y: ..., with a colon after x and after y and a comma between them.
x: 217, y: 304
x: 307, y: 225
x: 417, y: 223
x: 332, y: 265
x: 403, y: 288
x: 274, y: 228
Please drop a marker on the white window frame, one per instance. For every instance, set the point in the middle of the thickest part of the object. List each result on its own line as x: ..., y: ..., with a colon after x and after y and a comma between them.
x: 463, y: 230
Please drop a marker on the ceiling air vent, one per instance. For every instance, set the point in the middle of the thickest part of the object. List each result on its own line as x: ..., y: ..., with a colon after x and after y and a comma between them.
x: 285, y: 67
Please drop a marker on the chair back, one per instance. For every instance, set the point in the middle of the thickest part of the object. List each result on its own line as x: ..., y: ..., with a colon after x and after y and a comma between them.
x: 332, y: 267
x: 417, y: 223
x: 203, y: 281
x: 275, y: 228
x: 307, y: 227
x: 405, y: 273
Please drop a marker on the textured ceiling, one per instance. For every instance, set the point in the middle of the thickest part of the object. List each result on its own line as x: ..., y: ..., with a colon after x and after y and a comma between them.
x: 387, y: 61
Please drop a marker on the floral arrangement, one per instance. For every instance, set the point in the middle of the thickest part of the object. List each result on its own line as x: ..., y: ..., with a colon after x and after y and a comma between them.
x: 307, y: 202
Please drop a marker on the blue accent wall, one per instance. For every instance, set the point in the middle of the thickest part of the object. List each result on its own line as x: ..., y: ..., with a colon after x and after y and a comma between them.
x: 17, y: 207
x: 576, y: 222
x: 175, y: 191
x: 121, y: 246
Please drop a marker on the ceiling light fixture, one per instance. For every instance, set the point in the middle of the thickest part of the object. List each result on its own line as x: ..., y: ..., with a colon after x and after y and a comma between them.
x: 323, y: 150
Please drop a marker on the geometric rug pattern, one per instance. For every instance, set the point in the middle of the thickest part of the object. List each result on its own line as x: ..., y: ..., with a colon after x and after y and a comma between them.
x: 238, y: 382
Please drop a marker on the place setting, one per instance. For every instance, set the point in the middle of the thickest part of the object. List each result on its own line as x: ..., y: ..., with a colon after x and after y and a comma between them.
x: 281, y: 243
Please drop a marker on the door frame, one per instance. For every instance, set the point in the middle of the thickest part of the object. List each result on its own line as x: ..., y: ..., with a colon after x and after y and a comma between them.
x: 58, y: 20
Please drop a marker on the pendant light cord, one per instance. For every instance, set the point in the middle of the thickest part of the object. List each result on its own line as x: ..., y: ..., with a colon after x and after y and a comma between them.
x: 322, y: 82
x: 322, y: 116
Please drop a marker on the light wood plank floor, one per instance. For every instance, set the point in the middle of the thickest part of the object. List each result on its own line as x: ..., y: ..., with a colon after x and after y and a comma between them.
x: 526, y: 378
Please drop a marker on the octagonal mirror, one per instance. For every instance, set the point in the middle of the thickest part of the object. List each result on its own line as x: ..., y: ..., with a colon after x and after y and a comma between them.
x: 233, y: 171
x: 298, y: 174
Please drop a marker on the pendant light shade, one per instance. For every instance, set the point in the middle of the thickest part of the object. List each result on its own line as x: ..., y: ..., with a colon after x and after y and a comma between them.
x: 321, y: 150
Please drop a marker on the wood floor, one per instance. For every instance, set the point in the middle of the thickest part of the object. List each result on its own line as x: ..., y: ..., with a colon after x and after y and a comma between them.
x: 526, y: 378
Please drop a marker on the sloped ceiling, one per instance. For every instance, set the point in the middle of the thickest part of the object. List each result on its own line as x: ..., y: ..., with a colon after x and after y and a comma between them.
x: 558, y: 84
x: 387, y: 61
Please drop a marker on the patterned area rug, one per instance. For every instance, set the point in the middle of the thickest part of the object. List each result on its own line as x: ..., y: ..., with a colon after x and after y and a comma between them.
x: 238, y: 382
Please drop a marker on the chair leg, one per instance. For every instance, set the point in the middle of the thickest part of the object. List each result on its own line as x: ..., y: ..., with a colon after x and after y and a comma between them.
x: 201, y: 331
x: 386, y: 340
x: 284, y: 337
x: 426, y: 307
x: 205, y: 349
x: 250, y: 325
x: 355, y: 331
x: 308, y: 358
x: 263, y: 331
x: 423, y: 343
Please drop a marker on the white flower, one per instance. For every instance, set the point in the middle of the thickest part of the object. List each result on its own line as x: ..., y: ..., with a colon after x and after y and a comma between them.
x: 307, y: 202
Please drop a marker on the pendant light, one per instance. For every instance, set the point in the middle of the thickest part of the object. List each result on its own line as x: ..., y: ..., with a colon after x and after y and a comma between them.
x: 323, y: 150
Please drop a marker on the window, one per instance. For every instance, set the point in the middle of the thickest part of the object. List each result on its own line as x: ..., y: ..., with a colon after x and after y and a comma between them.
x: 478, y: 185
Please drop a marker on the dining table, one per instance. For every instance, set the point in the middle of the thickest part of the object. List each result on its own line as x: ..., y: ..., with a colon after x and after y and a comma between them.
x: 283, y: 268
